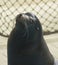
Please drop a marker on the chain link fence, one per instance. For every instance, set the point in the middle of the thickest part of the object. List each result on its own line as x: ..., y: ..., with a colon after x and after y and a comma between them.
x: 45, y: 10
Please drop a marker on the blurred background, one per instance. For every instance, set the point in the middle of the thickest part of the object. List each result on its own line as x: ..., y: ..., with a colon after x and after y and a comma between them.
x: 45, y: 10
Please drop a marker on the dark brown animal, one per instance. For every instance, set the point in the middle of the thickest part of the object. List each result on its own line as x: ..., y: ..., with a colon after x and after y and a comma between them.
x: 26, y: 45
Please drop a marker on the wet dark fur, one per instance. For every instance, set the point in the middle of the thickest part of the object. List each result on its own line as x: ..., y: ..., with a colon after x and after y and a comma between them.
x: 26, y: 45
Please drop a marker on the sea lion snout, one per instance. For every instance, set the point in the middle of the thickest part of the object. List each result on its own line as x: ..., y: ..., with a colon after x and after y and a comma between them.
x: 21, y: 17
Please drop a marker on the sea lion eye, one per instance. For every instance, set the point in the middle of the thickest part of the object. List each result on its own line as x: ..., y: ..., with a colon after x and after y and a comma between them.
x: 37, y: 28
x: 31, y: 21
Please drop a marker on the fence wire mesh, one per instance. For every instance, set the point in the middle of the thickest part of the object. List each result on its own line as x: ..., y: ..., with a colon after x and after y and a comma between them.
x: 45, y: 10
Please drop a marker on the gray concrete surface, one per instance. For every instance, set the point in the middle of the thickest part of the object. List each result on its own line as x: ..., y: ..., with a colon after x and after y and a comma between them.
x: 51, y: 40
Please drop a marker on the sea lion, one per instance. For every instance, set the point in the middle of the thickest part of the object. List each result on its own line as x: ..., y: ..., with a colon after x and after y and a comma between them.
x: 26, y: 45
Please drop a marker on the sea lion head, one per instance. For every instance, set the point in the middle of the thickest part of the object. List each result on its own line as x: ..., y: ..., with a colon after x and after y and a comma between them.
x: 28, y: 24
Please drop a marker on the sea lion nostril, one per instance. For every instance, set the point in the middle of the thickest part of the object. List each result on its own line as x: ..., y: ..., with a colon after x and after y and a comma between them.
x: 20, y: 15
